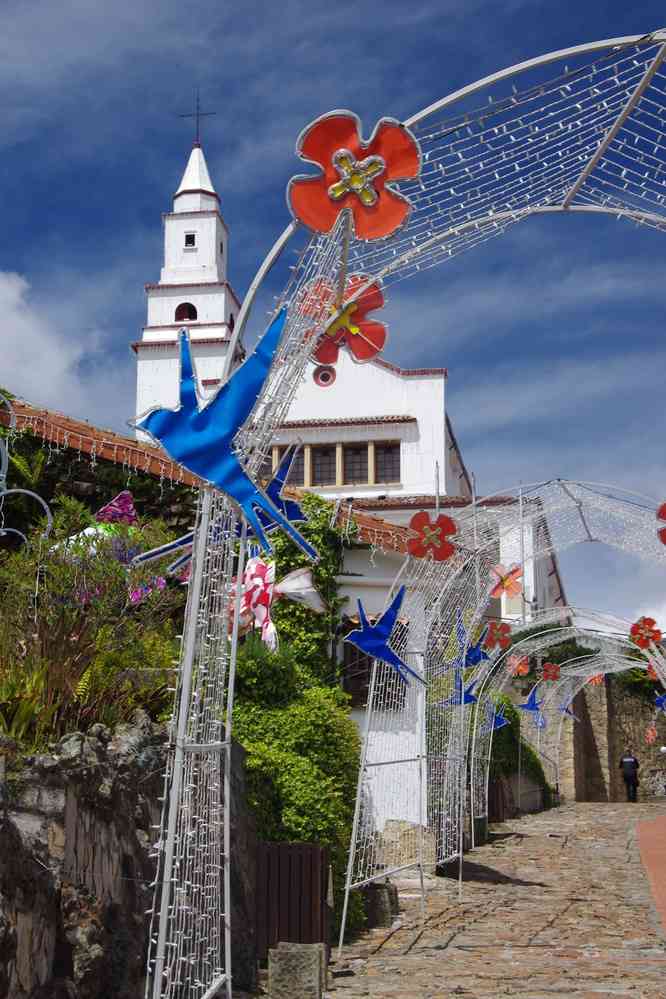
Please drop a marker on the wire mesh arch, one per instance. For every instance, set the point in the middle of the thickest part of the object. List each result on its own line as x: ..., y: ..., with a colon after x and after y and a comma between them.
x: 577, y: 131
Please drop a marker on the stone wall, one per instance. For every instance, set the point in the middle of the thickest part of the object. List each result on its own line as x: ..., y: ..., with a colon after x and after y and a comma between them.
x: 629, y: 717
x: 611, y: 720
x: 75, y: 868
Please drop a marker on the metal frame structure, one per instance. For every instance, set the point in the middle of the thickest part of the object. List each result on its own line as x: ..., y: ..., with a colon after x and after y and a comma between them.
x: 579, y: 131
x: 449, y: 762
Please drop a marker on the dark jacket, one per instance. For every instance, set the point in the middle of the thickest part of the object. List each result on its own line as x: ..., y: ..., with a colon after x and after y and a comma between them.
x: 629, y: 766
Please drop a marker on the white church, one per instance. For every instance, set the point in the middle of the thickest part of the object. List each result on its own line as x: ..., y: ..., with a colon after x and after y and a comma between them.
x: 373, y: 433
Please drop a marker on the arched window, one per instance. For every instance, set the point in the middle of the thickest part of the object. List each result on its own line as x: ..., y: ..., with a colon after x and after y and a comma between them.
x: 185, y: 312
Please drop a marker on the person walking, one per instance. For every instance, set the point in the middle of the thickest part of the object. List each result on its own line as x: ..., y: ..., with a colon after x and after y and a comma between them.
x: 629, y: 766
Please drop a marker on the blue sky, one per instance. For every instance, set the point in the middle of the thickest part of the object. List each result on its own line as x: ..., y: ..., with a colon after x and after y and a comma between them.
x: 553, y: 334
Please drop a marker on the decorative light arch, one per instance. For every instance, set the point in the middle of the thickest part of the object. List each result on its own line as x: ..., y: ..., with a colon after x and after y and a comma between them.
x: 578, y: 131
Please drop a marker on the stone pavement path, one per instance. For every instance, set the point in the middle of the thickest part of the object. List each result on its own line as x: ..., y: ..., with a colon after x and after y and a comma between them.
x: 557, y: 904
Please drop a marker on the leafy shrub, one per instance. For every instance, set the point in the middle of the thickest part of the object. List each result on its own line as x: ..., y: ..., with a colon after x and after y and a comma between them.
x: 506, y: 742
x: 74, y: 647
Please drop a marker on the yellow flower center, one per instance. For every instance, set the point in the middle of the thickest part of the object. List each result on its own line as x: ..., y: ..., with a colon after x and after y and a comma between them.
x: 431, y: 536
x: 356, y: 177
x: 343, y: 321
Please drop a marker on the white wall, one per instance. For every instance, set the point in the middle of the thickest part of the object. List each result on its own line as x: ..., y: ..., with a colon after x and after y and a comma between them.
x: 205, y: 261
x: 157, y: 373
x: 366, y: 391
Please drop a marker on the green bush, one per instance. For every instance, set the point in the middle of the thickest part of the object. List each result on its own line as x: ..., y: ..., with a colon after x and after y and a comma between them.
x: 312, y: 636
x: 504, y: 758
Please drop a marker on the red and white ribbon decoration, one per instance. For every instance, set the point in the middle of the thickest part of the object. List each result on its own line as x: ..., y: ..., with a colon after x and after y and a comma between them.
x: 260, y: 591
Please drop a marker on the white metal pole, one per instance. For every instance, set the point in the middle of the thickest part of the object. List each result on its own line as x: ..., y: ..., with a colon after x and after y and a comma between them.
x: 189, y: 647
x: 357, y: 806
x: 227, y: 758
x: 421, y: 694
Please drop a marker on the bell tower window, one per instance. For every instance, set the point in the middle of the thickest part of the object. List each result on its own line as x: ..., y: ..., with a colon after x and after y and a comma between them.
x: 185, y: 312
x: 190, y: 240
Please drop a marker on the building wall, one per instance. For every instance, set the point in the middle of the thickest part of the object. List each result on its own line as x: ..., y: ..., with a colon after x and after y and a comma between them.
x: 370, y: 391
x: 206, y: 261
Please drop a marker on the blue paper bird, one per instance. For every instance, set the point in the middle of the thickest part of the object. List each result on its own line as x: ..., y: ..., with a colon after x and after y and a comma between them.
x: 499, y: 721
x: 373, y: 638
x: 474, y: 654
x: 289, y: 508
x: 201, y: 439
x: 461, y: 694
x: 531, y: 704
x: 660, y: 702
x: 565, y: 709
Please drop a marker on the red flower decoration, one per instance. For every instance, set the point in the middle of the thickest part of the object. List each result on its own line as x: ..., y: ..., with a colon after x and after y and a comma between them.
x: 661, y: 515
x: 518, y: 665
x: 354, y: 175
x: 508, y: 581
x: 364, y: 337
x: 645, y: 631
x: 651, y: 734
x: 431, y: 536
x: 498, y: 634
x: 596, y: 680
x: 651, y: 672
x: 551, y: 671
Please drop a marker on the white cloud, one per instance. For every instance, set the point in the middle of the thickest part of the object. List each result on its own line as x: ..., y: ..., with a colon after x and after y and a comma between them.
x: 64, y: 371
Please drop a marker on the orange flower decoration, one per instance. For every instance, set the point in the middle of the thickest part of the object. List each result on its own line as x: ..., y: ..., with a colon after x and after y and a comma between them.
x: 651, y: 672
x: 508, y: 581
x: 596, y: 680
x: 645, y: 631
x: 355, y: 175
x: 661, y: 531
x: 364, y: 337
x: 431, y: 536
x: 499, y: 633
x: 651, y: 734
x: 551, y: 671
x: 518, y: 665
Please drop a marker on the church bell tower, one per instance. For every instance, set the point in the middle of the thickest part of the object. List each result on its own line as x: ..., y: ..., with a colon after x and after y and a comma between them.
x: 193, y: 292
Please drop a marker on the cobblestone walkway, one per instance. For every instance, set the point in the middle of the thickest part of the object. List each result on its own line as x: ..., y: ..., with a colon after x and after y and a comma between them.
x: 557, y: 905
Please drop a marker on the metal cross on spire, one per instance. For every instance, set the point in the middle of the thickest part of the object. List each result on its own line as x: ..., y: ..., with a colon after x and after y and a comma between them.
x: 197, y: 114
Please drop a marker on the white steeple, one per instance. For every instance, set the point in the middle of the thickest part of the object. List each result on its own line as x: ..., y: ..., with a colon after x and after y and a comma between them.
x: 195, y: 191
x: 193, y: 291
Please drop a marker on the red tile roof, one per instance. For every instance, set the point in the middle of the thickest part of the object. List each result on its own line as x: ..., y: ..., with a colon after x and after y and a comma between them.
x: 409, y: 372
x: 425, y: 501
x: 352, y: 421
x: 81, y: 436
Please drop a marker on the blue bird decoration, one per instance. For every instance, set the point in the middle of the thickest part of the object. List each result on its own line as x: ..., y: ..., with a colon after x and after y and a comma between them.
x: 660, y: 702
x: 201, y: 439
x: 495, y: 718
x: 531, y: 704
x: 289, y: 508
x: 461, y: 694
x: 539, y: 720
x: 565, y: 709
x: 474, y: 654
x: 498, y: 720
x: 373, y: 638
